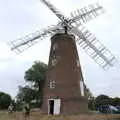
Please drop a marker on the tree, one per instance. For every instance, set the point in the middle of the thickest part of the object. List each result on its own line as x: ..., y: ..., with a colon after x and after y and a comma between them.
x: 5, y: 100
x: 115, y: 101
x: 102, y: 100
x: 26, y: 94
x: 91, y: 98
x: 102, y: 97
x: 89, y: 94
x: 36, y: 75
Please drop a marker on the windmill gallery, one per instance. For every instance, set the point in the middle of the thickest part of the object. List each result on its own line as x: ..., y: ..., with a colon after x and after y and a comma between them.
x: 64, y: 91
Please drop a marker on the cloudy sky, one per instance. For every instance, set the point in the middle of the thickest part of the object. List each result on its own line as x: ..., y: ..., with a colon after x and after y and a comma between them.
x: 21, y: 17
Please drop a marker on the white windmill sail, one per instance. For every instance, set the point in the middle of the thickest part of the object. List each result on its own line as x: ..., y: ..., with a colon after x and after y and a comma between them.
x: 97, y: 51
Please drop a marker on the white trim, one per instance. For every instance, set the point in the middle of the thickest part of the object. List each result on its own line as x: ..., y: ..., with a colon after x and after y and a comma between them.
x: 52, y: 84
x: 82, y: 88
x: 54, y: 61
x: 57, y: 106
x: 56, y: 111
x: 78, y: 63
x: 49, y: 105
x: 55, y: 46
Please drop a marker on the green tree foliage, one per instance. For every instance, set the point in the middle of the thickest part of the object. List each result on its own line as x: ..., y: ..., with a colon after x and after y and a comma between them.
x: 106, y: 100
x: 91, y: 98
x: 5, y: 100
x: 102, y: 97
x: 102, y: 100
x: 115, y: 101
x: 35, y: 76
x: 26, y: 94
x: 89, y: 94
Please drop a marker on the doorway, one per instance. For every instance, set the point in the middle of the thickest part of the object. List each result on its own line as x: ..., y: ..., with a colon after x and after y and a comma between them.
x: 54, y: 106
x: 51, y: 107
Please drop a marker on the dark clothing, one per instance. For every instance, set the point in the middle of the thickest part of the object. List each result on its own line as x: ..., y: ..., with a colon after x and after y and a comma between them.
x: 27, y: 111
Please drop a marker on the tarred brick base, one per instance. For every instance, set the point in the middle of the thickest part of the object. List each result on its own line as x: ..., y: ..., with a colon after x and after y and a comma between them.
x: 74, y: 106
x: 70, y: 106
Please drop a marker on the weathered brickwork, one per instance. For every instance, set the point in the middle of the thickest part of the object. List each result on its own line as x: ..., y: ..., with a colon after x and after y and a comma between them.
x: 66, y: 74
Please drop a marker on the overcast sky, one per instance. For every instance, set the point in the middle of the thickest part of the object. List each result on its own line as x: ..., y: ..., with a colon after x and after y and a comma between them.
x: 21, y: 17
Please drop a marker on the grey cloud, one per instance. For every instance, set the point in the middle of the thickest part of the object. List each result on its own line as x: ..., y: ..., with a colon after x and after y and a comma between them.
x: 13, y: 76
x: 19, y: 18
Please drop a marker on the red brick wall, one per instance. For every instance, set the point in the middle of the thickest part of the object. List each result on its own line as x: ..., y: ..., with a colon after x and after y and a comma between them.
x: 66, y: 75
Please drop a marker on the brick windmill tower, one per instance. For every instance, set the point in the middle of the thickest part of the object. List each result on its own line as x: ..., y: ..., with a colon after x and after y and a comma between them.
x: 64, y: 90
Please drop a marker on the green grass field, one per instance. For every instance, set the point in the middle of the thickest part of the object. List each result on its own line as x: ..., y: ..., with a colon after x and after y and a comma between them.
x: 39, y: 116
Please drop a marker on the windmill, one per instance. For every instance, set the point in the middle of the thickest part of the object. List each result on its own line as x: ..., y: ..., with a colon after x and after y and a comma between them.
x: 64, y: 90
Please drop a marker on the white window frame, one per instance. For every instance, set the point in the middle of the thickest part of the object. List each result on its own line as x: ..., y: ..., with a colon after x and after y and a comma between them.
x: 78, y: 63
x: 55, y: 46
x: 52, y: 84
x: 54, y: 62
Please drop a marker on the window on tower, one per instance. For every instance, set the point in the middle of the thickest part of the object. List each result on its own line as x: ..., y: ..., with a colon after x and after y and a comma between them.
x: 51, y: 84
x: 54, y: 57
x: 78, y: 63
x: 55, y: 46
x: 54, y: 62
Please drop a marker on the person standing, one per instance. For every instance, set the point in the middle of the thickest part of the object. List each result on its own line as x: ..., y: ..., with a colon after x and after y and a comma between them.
x: 26, y: 111
x: 10, y: 109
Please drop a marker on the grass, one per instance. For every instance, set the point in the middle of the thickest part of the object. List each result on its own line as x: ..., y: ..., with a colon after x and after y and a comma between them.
x: 39, y: 116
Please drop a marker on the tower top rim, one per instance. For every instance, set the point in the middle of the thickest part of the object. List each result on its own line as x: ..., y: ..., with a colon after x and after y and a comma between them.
x: 62, y: 34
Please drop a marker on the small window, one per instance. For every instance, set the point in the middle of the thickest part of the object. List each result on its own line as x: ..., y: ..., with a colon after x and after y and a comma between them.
x: 78, y: 63
x: 51, y: 84
x: 54, y: 62
x: 55, y: 46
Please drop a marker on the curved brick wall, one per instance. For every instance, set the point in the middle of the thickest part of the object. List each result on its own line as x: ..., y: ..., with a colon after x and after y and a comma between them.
x: 66, y: 76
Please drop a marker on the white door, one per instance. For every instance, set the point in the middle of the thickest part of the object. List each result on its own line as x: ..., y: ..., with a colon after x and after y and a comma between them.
x: 57, y: 104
